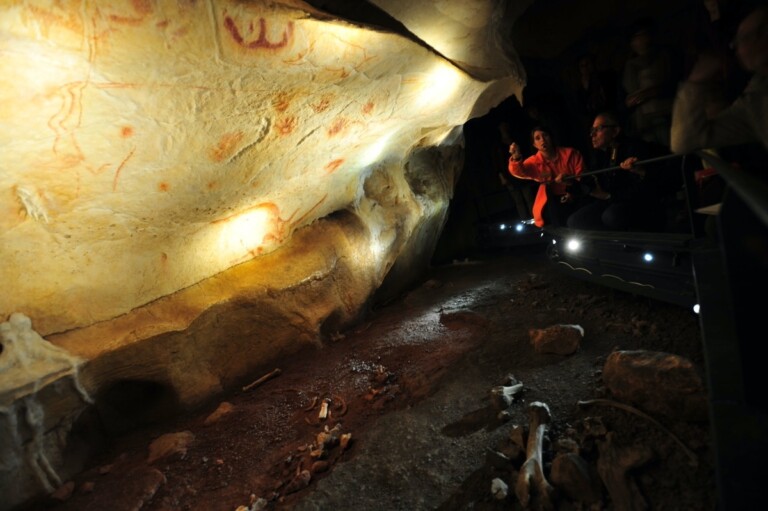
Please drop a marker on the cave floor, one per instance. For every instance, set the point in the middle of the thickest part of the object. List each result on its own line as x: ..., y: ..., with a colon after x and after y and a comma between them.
x: 411, y: 385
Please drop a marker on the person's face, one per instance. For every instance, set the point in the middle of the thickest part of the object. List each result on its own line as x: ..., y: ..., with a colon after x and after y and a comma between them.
x: 640, y: 43
x: 542, y: 141
x: 586, y: 67
x: 751, y: 42
x: 603, y: 133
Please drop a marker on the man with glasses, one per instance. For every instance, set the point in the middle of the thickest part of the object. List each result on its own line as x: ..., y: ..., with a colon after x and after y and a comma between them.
x: 627, y: 197
x: 746, y: 119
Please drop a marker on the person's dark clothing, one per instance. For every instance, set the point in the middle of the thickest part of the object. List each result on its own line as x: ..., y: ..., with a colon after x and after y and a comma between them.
x: 635, y: 202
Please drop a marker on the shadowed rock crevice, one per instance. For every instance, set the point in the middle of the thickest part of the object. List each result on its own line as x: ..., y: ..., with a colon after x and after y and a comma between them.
x: 129, y: 404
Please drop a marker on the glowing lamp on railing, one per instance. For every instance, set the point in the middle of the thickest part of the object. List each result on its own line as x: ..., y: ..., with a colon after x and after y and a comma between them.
x: 573, y: 245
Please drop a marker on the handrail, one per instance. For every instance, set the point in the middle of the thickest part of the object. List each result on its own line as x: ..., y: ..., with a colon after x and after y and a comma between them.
x: 617, y: 167
x: 752, y: 190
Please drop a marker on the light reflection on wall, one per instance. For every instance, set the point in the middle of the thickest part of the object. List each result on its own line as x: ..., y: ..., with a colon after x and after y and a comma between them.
x: 440, y: 86
x: 244, y: 232
x: 372, y: 153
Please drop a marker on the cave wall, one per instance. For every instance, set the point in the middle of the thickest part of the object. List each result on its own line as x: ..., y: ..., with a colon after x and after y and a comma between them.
x: 191, y: 190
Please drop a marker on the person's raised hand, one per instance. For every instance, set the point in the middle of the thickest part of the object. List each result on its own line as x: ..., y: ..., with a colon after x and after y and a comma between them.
x: 628, y: 163
x: 514, y: 151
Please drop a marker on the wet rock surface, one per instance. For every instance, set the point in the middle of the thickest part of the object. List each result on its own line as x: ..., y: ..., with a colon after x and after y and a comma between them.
x: 398, y: 413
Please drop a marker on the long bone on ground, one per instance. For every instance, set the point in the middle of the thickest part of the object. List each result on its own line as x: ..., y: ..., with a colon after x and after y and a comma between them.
x: 614, y: 465
x: 533, y: 468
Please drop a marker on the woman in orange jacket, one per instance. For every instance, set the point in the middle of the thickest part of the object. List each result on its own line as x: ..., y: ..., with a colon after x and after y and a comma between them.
x: 555, y: 199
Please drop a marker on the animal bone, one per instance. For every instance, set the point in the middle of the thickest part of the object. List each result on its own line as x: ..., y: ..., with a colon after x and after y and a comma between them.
x: 503, y: 396
x: 614, y: 465
x: 261, y: 380
x: 324, y: 409
x: 499, y: 489
x: 533, y: 468
x: 694, y: 460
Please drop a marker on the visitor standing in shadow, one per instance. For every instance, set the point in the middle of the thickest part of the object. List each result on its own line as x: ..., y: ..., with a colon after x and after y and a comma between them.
x: 696, y: 125
x: 649, y: 80
x: 592, y: 91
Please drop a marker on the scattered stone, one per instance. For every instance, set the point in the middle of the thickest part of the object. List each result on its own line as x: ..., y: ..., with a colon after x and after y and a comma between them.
x: 64, y: 492
x: 87, y: 487
x: 657, y: 382
x: 556, y: 339
x: 224, y: 408
x: 319, y: 466
x: 169, y: 445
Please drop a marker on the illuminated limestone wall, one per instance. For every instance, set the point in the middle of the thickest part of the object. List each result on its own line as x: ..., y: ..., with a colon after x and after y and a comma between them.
x: 191, y: 189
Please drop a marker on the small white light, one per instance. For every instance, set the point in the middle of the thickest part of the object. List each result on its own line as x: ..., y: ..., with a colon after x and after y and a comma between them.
x: 648, y: 257
x: 554, y: 242
x: 503, y: 226
x: 696, y: 308
x: 519, y: 227
x: 573, y: 245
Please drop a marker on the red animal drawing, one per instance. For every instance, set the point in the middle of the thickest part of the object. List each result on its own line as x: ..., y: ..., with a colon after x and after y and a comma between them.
x: 261, y: 40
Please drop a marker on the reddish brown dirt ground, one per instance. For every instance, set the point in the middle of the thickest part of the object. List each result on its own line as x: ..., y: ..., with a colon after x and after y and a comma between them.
x: 411, y: 385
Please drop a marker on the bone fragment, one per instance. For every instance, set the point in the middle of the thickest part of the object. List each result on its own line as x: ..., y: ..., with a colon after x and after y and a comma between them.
x: 532, y: 471
x: 324, y: 409
x: 694, y: 461
x: 261, y: 380
x: 503, y: 396
x: 329, y: 438
x: 499, y: 489
x: 614, y: 464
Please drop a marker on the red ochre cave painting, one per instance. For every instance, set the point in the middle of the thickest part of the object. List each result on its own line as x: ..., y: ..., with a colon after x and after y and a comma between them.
x: 261, y: 41
x: 120, y: 168
x: 141, y: 7
x: 322, y: 105
x: 64, y: 123
x: 337, y: 126
x: 368, y: 108
x: 281, y: 101
x: 45, y: 18
x: 285, y: 125
x: 163, y: 187
x: 226, y: 146
x: 126, y: 131
x: 333, y: 165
